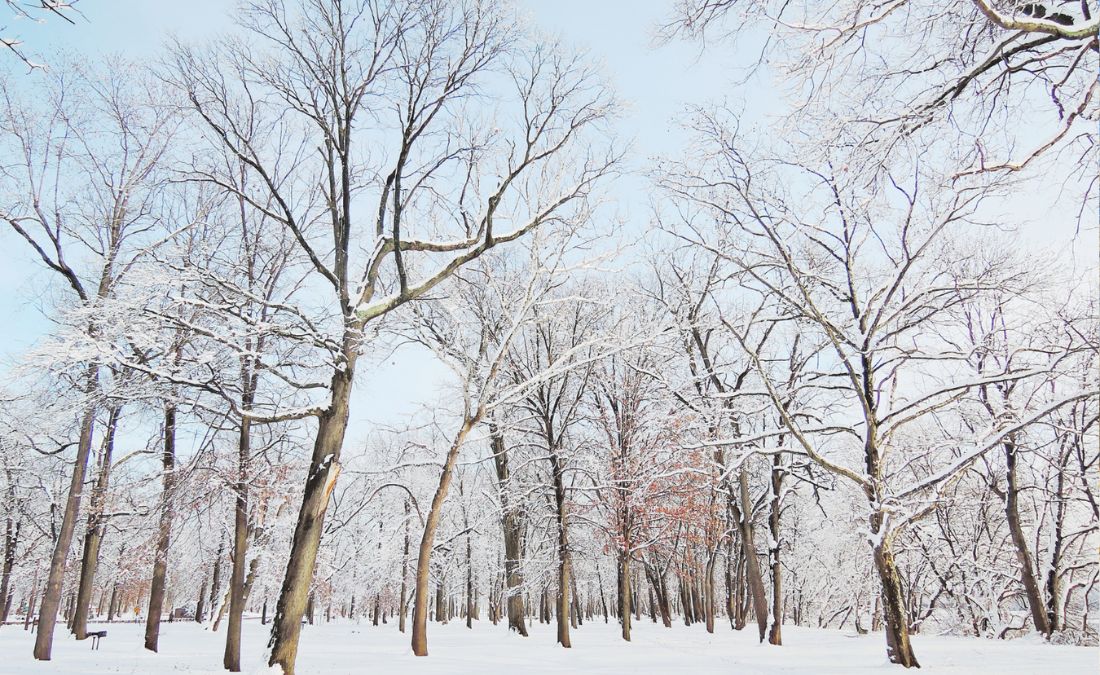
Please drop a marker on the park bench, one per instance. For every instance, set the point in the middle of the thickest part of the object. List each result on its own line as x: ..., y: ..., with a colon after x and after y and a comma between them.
x: 96, y: 637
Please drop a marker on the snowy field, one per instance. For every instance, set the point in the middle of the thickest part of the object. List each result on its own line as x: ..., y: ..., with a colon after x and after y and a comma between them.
x: 350, y: 648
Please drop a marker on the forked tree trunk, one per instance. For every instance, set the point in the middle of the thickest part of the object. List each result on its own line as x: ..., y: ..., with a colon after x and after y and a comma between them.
x: 51, y: 598
x: 423, y: 563
x: 513, y: 536
x: 164, y: 532
x: 742, y: 513
x: 96, y: 527
x: 324, y: 468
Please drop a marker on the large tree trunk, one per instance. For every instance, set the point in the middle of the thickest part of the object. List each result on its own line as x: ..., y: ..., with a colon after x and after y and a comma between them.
x: 232, y: 658
x: 898, y: 647
x: 564, y: 560
x: 324, y: 468
x: 51, y: 598
x: 1028, y: 577
x: 624, y: 593
x: 513, y: 536
x: 420, y: 595
x: 1054, y: 570
x: 743, y: 515
x: 97, y: 526
x: 775, y: 633
x: 164, y: 533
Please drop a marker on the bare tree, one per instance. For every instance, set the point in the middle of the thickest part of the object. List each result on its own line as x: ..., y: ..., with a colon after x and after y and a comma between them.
x: 83, y: 202
x: 298, y: 118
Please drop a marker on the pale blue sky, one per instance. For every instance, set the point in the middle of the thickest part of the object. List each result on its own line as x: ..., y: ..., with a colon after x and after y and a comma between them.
x: 655, y: 83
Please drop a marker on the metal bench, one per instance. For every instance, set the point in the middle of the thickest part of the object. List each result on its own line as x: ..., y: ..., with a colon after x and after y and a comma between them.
x: 96, y: 637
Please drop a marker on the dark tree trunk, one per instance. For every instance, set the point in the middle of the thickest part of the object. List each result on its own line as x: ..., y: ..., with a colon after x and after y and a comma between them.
x: 215, y: 585
x: 164, y: 533
x: 513, y: 536
x: 51, y: 598
x: 1028, y: 577
x: 231, y: 659
x: 11, y: 542
x: 898, y: 647
x: 564, y: 561
x: 96, y: 527
x: 742, y: 513
x: 403, y: 600
x: 324, y: 468
x: 775, y: 633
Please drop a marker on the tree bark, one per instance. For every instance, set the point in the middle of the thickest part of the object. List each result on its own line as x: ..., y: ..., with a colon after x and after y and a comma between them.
x: 775, y: 633
x: 624, y: 594
x: 564, y: 561
x: 51, y: 598
x: 11, y: 542
x: 96, y: 527
x: 160, y: 564
x: 513, y: 535
x: 403, y: 600
x: 231, y: 659
x: 1028, y: 577
x: 427, y: 541
x: 898, y: 647
x: 324, y: 468
x: 742, y: 513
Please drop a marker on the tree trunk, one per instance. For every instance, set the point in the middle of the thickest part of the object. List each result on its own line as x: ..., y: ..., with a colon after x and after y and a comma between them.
x: 324, y: 469
x: 708, y: 591
x: 743, y: 515
x: 403, y: 600
x: 564, y: 562
x: 624, y: 594
x: 898, y: 647
x: 96, y: 527
x: 1028, y: 576
x: 420, y: 601
x: 11, y: 542
x: 51, y: 598
x: 200, y: 604
x: 513, y: 536
x: 775, y: 633
x: 231, y: 659
x: 215, y: 585
x: 160, y: 564
x: 112, y: 604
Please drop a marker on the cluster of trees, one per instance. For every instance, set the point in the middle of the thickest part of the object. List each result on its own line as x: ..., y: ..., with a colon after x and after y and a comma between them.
x: 831, y: 389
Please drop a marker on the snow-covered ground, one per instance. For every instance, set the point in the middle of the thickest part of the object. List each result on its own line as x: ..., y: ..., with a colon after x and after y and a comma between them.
x: 487, y: 649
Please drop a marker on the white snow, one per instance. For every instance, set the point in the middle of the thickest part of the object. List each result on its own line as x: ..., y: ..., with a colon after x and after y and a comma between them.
x: 330, y: 649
